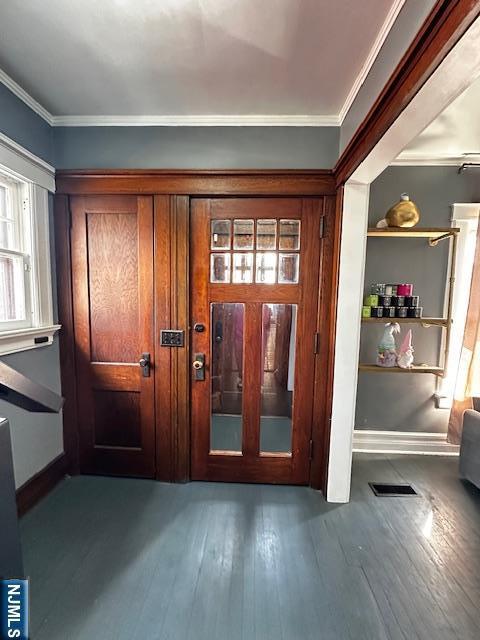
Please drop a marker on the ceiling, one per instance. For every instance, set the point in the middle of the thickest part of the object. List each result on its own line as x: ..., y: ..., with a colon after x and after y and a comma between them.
x: 454, y: 135
x: 193, y: 57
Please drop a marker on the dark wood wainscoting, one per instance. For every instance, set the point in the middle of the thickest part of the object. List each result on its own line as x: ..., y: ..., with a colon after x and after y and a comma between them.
x: 166, y: 299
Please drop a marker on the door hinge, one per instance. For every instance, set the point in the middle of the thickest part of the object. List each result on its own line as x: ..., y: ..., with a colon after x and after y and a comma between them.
x: 310, y: 453
x: 316, y: 343
x: 322, y: 226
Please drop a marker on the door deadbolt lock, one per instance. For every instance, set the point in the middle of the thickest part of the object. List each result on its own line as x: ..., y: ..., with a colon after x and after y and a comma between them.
x: 199, y: 366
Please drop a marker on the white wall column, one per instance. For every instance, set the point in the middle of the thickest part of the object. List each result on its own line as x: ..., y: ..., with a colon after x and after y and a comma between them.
x: 349, y: 306
x: 457, y: 71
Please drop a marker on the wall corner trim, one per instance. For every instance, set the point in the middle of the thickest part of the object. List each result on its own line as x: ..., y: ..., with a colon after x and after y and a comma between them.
x: 25, y: 164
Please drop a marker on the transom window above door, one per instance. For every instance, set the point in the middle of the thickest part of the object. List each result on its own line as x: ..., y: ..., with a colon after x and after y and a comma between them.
x: 264, y: 251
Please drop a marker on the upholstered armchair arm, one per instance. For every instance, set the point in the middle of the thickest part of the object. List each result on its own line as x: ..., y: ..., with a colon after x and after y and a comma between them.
x: 470, y: 447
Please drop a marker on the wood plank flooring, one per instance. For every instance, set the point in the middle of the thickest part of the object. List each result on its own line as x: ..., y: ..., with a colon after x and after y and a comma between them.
x: 120, y: 559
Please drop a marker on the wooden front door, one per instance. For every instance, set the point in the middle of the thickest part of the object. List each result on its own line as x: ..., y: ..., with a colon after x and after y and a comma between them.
x: 254, y: 291
x: 112, y: 284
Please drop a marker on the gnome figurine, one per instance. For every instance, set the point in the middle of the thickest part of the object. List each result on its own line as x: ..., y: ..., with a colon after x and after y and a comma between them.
x: 405, y: 355
x: 387, y: 350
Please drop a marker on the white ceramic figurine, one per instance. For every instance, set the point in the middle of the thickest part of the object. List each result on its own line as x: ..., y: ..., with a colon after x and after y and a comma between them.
x: 405, y: 355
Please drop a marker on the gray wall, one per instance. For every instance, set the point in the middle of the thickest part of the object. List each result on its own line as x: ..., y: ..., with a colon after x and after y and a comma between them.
x: 196, y: 147
x: 21, y: 124
x: 396, y: 402
x: 36, y: 438
x: 404, y: 30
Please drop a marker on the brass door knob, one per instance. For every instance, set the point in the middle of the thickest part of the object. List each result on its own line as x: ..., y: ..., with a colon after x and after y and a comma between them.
x: 197, y: 364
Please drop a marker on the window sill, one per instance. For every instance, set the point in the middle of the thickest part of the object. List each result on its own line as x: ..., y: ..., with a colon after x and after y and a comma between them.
x: 25, y: 339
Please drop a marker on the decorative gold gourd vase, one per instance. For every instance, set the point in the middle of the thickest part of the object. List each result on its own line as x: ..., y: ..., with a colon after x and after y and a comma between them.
x: 403, y: 214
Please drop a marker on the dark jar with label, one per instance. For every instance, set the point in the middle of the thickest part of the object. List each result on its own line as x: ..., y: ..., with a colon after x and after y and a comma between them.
x: 377, y: 312
x: 415, y: 312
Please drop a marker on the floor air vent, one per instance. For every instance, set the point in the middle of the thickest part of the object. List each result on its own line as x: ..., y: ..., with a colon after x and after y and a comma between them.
x: 383, y: 490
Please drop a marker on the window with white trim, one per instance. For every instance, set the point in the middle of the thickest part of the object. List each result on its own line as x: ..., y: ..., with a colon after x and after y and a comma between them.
x: 15, y: 255
x: 466, y: 218
x: 26, y: 314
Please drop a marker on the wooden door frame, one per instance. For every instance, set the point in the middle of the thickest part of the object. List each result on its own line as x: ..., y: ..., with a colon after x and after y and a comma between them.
x: 171, y: 191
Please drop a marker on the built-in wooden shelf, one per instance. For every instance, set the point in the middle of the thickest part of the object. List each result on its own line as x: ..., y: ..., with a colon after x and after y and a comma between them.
x: 441, y: 322
x: 373, y: 368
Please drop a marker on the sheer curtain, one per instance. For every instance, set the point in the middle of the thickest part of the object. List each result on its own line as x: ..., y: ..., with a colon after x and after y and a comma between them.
x: 468, y: 378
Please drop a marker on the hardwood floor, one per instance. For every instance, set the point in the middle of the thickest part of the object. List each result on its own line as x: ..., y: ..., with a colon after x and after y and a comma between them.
x: 135, y: 559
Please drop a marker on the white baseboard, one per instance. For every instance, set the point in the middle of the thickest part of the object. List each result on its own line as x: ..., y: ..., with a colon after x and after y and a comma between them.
x: 429, y: 444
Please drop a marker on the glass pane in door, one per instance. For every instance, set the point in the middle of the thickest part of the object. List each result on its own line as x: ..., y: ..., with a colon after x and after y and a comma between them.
x: 288, y: 267
x: 227, y: 322
x: 242, y: 267
x: 220, y: 234
x: 220, y: 267
x: 279, y: 323
x: 243, y: 234
x: 266, y: 267
x: 266, y: 234
x: 289, y: 235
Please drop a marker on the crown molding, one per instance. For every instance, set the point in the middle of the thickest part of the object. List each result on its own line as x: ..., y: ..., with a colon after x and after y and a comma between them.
x: 416, y: 160
x: 198, y: 121
x: 168, y: 120
x: 215, y: 120
x: 17, y: 90
x: 372, y: 56
x: 25, y: 164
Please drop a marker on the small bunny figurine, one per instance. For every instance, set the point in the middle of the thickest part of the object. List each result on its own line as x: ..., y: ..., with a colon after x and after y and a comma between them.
x: 405, y: 355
